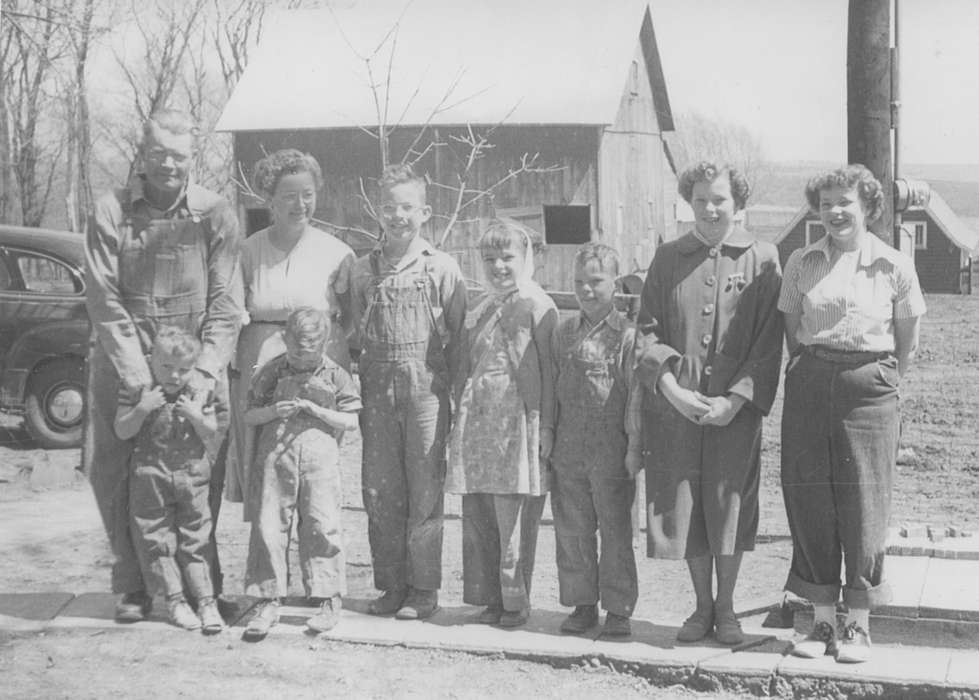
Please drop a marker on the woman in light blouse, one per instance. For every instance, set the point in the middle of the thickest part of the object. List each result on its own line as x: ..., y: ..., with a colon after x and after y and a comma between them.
x: 286, y: 266
x: 852, y: 306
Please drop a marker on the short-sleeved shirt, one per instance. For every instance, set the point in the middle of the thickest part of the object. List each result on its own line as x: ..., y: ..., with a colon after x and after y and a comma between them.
x: 312, y: 274
x: 849, y: 300
x: 328, y: 386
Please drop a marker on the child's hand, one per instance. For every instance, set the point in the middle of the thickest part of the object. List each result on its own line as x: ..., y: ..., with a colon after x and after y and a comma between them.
x: 546, y: 442
x: 633, y: 462
x: 690, y: 404
x: 189, y: 408
x: 723, y: 409
x: 286, y: 409
x: 151, y: 399
x: 306, y: 405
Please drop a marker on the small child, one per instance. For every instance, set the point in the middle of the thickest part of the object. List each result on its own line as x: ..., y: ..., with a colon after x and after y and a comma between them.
x: 303, y: 402
x: 501, y: 436
x: 176, y: 440
x: 597, y: 451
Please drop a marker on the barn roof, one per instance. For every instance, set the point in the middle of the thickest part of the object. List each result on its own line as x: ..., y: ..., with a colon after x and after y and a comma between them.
x: 962, y: 235
x: 549, y: 61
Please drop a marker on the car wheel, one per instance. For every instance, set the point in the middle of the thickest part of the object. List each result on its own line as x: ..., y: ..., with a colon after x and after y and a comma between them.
x: 55, y: 404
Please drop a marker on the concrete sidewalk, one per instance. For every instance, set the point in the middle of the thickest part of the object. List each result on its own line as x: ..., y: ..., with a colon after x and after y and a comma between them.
x: 761, y: 666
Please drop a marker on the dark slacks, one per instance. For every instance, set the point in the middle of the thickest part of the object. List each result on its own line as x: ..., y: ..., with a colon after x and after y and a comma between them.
x: 840, y: 427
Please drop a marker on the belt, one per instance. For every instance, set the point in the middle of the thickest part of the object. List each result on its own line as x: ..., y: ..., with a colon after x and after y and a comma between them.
x: 844, y: 357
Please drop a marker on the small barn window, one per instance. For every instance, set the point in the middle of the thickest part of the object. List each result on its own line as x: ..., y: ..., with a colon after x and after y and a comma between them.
x: 568, y: 224
x: 920, y: 231
x: 634, y: 78
x: 814, y: 231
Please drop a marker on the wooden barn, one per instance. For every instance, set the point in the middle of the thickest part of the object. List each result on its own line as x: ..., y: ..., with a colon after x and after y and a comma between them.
x: 580, y: 94
x: 941, y: 244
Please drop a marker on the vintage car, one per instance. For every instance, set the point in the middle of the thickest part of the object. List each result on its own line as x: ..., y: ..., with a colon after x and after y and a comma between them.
x: 44, y: 332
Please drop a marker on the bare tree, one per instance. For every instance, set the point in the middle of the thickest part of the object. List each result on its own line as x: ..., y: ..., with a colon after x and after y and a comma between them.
x: 166, y: 31
x: 425, y: 140
x: 32, y: 43
x: 700, y: 137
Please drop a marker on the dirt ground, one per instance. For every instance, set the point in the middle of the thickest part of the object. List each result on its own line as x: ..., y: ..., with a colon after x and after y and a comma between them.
x: 52, y: 541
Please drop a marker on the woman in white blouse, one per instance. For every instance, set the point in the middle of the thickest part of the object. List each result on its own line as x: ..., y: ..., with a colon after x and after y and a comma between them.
x: 288, y: 265
x: 852, y: 306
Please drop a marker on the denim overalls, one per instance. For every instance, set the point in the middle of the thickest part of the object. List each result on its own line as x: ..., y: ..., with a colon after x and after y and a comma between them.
x: 168, y: 501
x: 162, y: 278
x: 405, y: 386
x: 592, y: 492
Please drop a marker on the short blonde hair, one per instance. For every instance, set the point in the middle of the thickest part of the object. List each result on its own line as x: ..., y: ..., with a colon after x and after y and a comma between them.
x: 307, y: 323
x: 177, y: 342
x: 400, y: 174
x: 607, y: 257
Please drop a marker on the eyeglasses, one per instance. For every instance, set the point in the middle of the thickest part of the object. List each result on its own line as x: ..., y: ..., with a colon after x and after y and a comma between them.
x: 161, y: 155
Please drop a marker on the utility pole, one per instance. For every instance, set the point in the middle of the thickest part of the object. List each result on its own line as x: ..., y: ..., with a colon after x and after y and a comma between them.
x: 868, y: 91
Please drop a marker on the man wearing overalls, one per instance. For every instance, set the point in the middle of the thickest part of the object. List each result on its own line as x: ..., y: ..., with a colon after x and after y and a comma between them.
x: 409, y: 302
x: 159, y: 252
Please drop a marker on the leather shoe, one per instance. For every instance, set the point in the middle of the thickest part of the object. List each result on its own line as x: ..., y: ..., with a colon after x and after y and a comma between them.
x: 133, y: 607
x: 327, y: 617
x: 696, y: 627
x: 854, y: 645
x: 490, y: 616
x: 581, y: 620
x: 616, y: 626
x: 389, y: 602
x: 727, y: 629
x: 820, y: 641
x: 514, y: 618
x: 419, y: 605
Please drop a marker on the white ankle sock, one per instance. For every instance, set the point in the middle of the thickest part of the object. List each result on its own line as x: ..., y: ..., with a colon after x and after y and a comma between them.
x: 859, y: 615
x: 824, y: 613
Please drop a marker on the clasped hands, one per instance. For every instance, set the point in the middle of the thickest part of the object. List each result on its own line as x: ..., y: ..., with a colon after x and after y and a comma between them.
x: 697, y: 408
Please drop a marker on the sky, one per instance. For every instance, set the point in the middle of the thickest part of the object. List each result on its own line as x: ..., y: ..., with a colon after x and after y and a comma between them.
x: 779, y: 68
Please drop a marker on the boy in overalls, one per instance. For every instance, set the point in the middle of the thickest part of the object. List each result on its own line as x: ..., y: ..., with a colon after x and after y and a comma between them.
x: 409, y: 303
x: 175, y: 437
x: 597, y: 451
x: 303, y: 401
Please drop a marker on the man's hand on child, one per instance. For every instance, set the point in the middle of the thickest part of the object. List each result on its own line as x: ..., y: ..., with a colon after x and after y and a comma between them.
x: 723, y: 409
x: 151, y: 399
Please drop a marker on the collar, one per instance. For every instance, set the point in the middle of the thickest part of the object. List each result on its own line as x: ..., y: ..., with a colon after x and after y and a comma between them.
x: 416, y: 249
x: 188, y: 197
x: 614, y: 320
x: 871, y: 249
x: 738, y: 238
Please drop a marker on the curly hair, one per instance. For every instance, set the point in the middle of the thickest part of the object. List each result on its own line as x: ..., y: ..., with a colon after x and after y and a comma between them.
x: 287, y: 161
x: 851, y: 176
x: 607, y: 257
x: 399, y: 174
x: 176, y: 342
x: 707, y: 171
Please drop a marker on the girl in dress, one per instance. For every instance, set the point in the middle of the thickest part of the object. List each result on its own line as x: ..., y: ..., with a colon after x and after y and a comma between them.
x: 503, y: 429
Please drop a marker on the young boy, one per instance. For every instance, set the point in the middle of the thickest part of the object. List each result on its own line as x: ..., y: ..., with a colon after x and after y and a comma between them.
x: 597, y: 451
x: 304, y: 402
x: 409, y: 303
x: 176, y: 441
